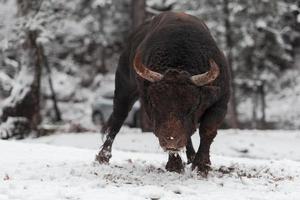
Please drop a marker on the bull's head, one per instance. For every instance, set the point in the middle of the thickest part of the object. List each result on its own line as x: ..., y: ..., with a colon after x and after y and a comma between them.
x: 173, y: 102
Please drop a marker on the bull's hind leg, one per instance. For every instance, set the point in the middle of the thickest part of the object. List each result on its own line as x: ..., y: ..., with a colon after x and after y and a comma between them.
x: 125, y: 96
x: 174, y: 163
x: 209, y: 124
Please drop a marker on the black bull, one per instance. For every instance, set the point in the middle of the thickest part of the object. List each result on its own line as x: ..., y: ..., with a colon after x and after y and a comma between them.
x: 174, y: 66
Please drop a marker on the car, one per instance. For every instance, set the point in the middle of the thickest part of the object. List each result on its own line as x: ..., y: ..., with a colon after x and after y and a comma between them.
x: 103, y: 107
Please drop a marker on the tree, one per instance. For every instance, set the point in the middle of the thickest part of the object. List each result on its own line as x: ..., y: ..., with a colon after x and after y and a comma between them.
x: 138, y: 12
x: 23, y: 103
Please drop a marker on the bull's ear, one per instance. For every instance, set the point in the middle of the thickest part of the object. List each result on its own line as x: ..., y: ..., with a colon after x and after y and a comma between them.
x: 207, y: 77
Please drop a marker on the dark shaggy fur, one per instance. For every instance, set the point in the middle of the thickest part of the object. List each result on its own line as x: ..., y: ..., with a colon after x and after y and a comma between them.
x: 179, y: 46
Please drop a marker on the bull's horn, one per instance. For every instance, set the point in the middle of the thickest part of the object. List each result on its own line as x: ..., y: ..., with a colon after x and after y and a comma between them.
x: 207, y: 77
x: 143, y: 71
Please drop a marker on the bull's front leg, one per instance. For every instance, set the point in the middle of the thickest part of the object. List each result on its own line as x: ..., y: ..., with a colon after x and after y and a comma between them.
x: 122, y: 105
x: 201, y: 161
x: 209, y: 124
x: 104, y: 154
x: 125, y: 96
x: 174, y: 163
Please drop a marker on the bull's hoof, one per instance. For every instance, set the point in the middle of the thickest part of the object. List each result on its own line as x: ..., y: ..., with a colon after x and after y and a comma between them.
x: 202, y: 165
x: 103, y: 157
x: 174, y: 164
x: 202, y: 168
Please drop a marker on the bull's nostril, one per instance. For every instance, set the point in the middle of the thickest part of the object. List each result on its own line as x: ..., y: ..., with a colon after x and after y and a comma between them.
x: 170, y: 138
x: 172, y: 143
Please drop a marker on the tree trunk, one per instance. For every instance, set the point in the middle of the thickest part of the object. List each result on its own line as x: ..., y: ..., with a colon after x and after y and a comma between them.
x: 53, y: 95
x: 262, y: 93
x: 102, y: 67
x: 232, y: 106
x: 138, y: 12
x: 36, y: 85
x: 254, y: 107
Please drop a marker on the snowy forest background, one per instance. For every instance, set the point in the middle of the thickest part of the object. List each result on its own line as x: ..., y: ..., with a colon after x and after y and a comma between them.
x: 56, y: 56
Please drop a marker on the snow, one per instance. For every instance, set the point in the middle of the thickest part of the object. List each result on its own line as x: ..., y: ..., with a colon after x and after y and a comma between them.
x: 101, y: 3
x: 7, y: 128
x: 5, y: 81
x: 21, y: 87
x: 284, y: 107
x: 62, y: 167
x: 7, y: 21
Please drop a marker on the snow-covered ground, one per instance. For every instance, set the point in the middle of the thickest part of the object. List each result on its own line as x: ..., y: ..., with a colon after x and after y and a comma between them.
x: 252, y: 165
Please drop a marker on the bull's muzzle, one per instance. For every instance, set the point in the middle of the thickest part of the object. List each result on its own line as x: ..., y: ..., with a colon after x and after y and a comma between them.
x: 172, y: 143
